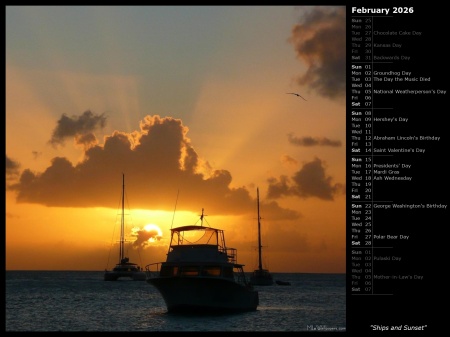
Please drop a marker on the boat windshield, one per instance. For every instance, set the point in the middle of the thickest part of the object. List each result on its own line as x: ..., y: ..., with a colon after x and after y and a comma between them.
x: 197, y: 235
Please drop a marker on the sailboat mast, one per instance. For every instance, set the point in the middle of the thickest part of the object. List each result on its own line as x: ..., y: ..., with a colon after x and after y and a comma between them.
x: 259, y: 231
x: 122, y: 222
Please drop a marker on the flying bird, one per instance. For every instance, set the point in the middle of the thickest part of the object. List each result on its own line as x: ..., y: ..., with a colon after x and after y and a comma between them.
x: 294, y: 93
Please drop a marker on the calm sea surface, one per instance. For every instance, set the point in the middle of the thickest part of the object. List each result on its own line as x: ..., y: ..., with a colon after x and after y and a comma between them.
x: 82, y: 301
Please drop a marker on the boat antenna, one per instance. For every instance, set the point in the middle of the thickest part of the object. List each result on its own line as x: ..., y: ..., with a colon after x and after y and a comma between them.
x: 202, y: 217
x: 176, y: 201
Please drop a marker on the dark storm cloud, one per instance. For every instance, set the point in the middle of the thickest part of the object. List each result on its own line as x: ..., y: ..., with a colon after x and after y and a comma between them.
x: 319, y: 41
x: 310, y: 141
x: 310, y: 181
x: 76, y: 126
x: 158, y: 162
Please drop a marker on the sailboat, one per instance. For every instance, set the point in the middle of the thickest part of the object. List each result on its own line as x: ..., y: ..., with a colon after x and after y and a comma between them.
x: 260, y: 276
x: 124, y: 268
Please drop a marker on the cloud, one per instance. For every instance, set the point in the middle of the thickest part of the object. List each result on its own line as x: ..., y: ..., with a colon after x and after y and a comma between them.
x: 36, y: 154
x: 310, y: 141
x: 87, y: 140
x: 144, y: 237
x: 12, y: 168
x: 158, y: 162
x: 319, y: 41
x: 80, y: 127
x: 288, y: 160
x: 310, y: 181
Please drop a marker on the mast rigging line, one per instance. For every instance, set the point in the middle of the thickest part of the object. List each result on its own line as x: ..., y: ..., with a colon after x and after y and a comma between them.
x: 175, y: 208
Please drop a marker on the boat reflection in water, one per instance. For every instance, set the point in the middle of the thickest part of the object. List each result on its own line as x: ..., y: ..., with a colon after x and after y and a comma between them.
x: 201, y: 274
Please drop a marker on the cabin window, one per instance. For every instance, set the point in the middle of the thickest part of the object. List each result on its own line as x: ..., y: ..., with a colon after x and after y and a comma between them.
x: 211, y: 271
x: 168, y: 271
x: 189, y: 271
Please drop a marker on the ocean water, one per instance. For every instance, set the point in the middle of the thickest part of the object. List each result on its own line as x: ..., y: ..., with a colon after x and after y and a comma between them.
x: 82, y: 301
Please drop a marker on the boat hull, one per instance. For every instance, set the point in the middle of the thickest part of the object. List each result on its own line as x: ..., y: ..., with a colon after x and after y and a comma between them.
x: 183, y: 294
x: 261, y: 278
x: 282, y: 283
x: 261, y: 282
x: 114, y: 276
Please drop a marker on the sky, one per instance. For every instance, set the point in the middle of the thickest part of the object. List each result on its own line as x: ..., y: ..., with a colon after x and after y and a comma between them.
x: 192, y: 105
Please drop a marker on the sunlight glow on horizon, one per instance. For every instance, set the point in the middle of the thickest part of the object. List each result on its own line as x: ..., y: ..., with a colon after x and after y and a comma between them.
x: 220, y: 73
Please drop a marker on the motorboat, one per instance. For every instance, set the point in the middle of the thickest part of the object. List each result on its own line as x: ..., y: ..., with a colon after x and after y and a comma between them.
x: 201, y: 274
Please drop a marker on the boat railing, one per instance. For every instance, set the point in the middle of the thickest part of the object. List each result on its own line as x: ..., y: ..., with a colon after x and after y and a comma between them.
x: 152, y: 269
x: 231, y: 254
x: 239, y: 277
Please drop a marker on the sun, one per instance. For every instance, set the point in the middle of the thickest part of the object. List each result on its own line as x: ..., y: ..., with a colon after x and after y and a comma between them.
x: 154, y: 231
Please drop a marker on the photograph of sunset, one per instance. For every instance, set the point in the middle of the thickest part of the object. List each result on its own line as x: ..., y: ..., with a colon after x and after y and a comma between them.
x: 195, y: 106
x: 198, y: 107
